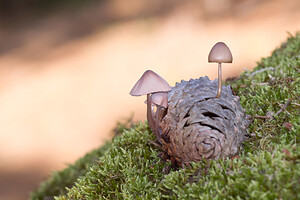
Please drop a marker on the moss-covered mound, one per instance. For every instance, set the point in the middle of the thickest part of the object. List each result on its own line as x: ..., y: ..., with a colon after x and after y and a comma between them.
x: 267, y: 168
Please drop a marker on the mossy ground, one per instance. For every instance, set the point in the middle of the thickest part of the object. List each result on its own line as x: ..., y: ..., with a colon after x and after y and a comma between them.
x: 267, y: 168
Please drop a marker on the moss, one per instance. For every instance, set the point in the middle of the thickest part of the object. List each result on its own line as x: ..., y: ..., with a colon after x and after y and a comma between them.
x: 59, y: 181
x: 267, y: 168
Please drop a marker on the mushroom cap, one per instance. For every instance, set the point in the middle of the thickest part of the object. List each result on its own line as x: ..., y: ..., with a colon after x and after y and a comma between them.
x: 160, y: 98
x: 149, y: 83
x: 220, y: 53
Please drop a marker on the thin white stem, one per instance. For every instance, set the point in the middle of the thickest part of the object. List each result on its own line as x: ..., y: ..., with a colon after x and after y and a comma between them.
x: 219, y: 80
x: 150, y: 118
x: 158, y: 118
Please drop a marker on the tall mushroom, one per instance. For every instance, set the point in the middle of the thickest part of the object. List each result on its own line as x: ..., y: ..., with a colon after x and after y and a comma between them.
x: 150, y: 83
x: 220, y: 53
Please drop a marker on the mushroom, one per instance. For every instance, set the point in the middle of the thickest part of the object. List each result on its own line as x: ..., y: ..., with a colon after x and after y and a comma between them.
x: 220, y: 53
x: 150, y: 83
x: 160, y: 99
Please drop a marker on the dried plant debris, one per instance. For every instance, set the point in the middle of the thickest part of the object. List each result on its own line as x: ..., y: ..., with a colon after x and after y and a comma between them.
x: 198, y: 125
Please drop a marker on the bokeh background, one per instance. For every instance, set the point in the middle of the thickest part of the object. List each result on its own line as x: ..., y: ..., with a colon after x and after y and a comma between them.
x: 66, y: 68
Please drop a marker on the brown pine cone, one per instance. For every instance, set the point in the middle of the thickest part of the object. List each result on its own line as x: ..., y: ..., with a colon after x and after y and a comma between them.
x: 199, y: 125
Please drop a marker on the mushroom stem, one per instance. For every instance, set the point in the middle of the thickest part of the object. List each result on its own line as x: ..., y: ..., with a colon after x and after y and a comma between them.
x: 159, y: 113
x: 219, y: 80
x: 150, y: 118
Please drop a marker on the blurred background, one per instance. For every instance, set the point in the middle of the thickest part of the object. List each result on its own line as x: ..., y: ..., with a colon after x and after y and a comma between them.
x: 67, y: 66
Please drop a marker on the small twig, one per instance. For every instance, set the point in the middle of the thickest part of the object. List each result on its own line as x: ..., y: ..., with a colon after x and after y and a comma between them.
x: 296, y: 67
x: 254, y: 84
x: 283, y: 108
x: 271, y: 115
x: 262, y: 117
x: 261, y: 70
x: 154, y: 143
x: 261, y: 84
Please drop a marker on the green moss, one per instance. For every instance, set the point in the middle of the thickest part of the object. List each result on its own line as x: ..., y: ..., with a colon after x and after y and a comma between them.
x: 267, y: 168
x: 59, y: 181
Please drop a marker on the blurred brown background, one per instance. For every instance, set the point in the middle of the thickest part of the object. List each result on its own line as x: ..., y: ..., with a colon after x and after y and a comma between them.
x: 66, y: 68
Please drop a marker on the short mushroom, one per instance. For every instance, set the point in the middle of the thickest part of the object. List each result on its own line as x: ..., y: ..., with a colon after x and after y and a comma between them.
x: 220, y: 53
x: 160, y: 99
x: 150, y: 83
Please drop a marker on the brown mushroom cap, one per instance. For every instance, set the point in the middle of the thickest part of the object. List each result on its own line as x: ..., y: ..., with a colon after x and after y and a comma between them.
x: 160, y: 98
x: 150, y: 82
x: 220, y: 53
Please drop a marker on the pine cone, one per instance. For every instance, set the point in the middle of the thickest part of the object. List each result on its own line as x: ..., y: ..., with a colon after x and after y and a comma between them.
x: 198, y: 125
